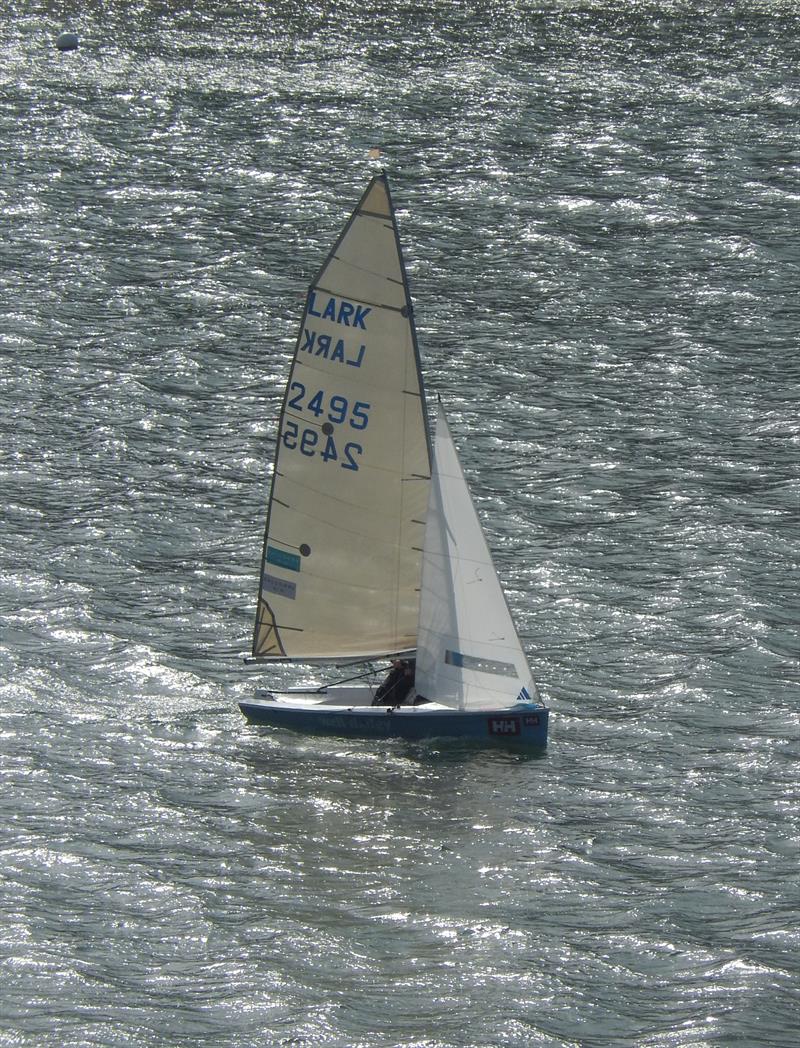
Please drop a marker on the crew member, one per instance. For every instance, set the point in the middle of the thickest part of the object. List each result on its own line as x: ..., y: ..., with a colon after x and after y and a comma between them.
x: 397, y: 685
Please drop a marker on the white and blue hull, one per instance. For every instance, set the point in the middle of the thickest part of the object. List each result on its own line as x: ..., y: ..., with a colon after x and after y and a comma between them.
x: 347, y: 711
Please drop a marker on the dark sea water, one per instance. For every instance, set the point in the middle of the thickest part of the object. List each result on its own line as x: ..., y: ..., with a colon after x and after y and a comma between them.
x: 599, y: 203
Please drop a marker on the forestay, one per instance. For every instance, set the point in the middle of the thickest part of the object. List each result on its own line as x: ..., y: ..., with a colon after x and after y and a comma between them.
x: 341, y: 564
x: 468, y: 652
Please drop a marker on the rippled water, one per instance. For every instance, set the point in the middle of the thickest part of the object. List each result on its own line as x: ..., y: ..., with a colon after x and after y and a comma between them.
x: 599, y: 204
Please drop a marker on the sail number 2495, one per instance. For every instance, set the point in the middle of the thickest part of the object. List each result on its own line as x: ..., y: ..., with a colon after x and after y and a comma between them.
x: 318, y: 440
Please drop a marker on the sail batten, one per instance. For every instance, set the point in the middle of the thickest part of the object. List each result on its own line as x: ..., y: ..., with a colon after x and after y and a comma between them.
x: 349, y: 439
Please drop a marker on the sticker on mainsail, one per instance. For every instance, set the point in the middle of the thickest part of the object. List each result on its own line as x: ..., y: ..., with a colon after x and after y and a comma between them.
x: 283, y: 559
x: 282, y: 587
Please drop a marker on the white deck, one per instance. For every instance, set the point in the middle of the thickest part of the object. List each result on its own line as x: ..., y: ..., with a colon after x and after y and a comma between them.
x: 339, y: 697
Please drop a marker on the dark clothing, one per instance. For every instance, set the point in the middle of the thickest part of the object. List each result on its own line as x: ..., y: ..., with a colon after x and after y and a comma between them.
x: 396, y: 686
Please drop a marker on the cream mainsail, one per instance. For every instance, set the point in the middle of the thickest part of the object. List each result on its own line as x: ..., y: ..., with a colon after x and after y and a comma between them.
x: 340, y: 572
x: 468, y: 652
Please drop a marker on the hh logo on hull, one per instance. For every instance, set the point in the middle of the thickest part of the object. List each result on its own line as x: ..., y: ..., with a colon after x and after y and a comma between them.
x: 504, y: 726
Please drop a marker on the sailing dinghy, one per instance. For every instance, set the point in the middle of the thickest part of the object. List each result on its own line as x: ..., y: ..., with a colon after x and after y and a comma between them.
x: 373, y: 548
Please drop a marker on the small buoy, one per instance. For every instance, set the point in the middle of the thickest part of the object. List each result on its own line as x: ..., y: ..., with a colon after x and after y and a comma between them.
x: 67, y: 42
x: 374, y: 153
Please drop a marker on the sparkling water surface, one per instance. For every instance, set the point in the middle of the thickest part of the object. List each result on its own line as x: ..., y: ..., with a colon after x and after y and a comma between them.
x: 599, y: 204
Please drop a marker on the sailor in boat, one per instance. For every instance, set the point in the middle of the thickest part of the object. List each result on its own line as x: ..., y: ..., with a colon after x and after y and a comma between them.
x: 397, y: 685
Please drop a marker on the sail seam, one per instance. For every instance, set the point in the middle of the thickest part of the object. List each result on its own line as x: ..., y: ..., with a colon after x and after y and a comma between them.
x: 375, y: 214
x: 365, y: 301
